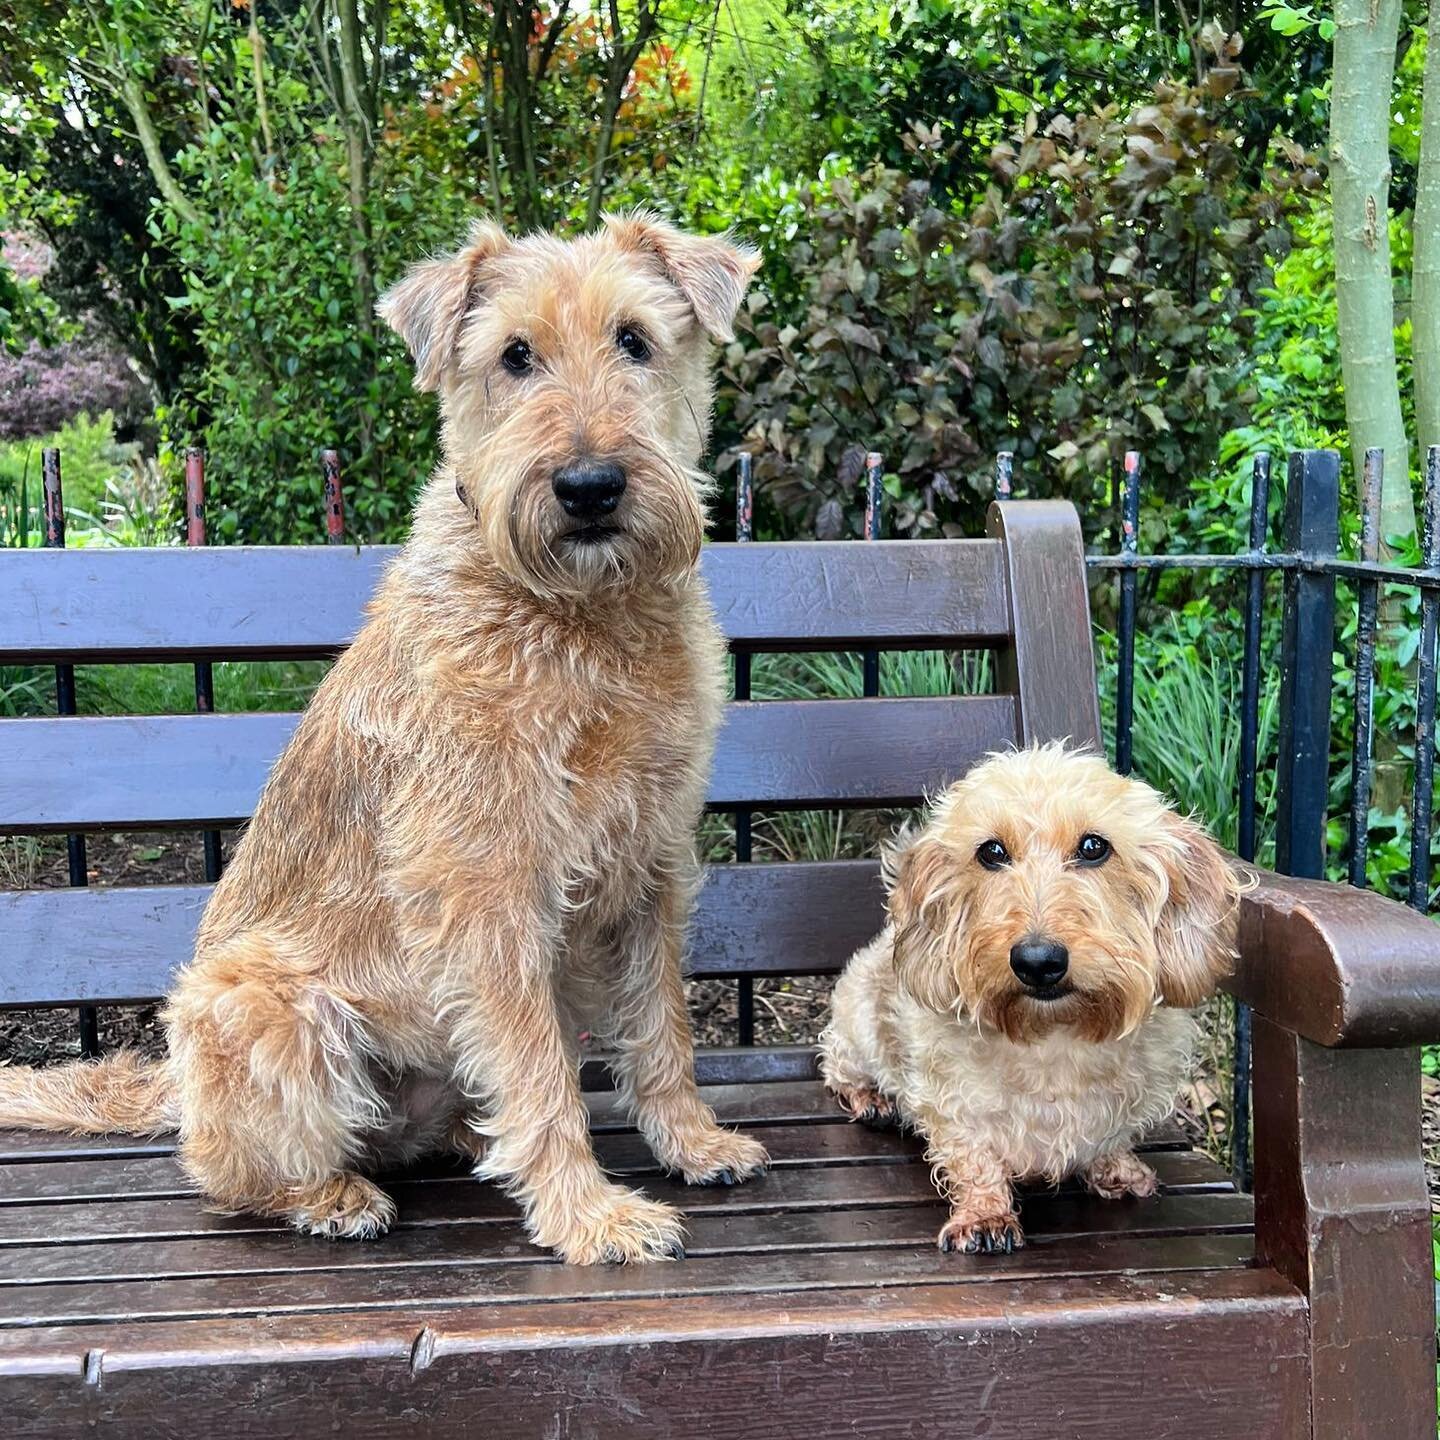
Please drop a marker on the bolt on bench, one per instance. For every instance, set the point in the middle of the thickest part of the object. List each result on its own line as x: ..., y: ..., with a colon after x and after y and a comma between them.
x: 812, y: 1301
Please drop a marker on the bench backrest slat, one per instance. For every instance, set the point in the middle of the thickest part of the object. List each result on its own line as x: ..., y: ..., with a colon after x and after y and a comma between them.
x: 163, y: 771
x: 294, y: 601
x: 114, y: 945
x: 1050, y: 666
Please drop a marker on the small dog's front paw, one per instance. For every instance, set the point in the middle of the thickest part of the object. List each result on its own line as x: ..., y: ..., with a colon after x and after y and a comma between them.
x: 1113, y: 1177
x: 628, y: 1228
x: 988, y: 1235
x: 868, y: 1106
x: 721, y: 1157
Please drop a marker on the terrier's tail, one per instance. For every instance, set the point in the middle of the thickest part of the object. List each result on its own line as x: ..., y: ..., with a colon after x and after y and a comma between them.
x: 122, y: 1094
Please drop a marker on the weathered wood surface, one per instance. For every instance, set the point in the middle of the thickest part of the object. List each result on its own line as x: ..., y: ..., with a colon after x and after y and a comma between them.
x: 111, y: 1268
x: 118, y: 1183
x: 127, y: 772
x: 112, y: 945
x: 1049, y: 665
x: 1079, y: 1357
x: 233, y: 602
x: 1343, y: 1213
x: 1340, y: 966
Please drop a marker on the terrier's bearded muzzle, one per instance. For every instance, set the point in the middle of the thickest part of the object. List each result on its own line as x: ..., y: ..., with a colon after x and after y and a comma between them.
x: 571, y: 526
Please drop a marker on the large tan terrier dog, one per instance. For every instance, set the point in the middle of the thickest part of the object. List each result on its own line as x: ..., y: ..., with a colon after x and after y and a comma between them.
x: 1027, y: 1008
x: 480, y: 838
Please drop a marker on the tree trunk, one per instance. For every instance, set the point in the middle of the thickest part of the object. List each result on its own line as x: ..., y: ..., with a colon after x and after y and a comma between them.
x: 133, y: 94
x: 1426, y: 302
x: 359, y: 140
x: 1364, y: 74
x: 623, y: 56
x: 262, y: 107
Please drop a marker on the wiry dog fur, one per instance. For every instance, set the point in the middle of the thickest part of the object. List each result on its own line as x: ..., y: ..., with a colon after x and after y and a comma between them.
x: 479, y: 840
x: 932, y: 1026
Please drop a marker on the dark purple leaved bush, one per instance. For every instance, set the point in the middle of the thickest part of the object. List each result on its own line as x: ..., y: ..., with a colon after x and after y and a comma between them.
x: 46, y: 386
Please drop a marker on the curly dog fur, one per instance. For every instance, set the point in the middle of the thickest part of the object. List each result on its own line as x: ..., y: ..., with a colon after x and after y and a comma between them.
x: 480, y: 839
x: 937, y: 1025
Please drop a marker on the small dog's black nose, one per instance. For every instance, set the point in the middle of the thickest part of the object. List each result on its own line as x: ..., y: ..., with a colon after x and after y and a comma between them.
x: 588, y: 489
x: 1039, y: 963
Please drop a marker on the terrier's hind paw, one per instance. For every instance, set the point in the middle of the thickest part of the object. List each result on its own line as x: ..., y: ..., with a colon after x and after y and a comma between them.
x: 348, y: 1207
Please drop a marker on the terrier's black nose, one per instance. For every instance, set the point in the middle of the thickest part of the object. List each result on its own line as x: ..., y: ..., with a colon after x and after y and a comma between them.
x: 1039, y: 963
x: 588, y: 489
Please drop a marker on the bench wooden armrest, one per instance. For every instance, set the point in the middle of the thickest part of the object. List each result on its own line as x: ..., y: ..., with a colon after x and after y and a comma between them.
x: 1338, y: 966
x: 1344, y: 983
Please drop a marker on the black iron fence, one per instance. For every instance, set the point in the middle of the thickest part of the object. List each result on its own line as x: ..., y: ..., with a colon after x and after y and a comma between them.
x: 1310, y: 567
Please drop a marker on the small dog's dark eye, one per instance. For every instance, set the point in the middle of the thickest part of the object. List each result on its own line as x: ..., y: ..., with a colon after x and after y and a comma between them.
x: 1092, y: 850
x: 993, y: 855
x: 518, y: 358
x: 633, y: 343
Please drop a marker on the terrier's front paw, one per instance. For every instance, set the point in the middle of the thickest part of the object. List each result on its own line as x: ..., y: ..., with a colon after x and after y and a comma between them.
x: 869, y: 1107
x: 719, y: 1157
x: 987, y: 1235
x: 625, y: 1227
x: 1112, y: 1177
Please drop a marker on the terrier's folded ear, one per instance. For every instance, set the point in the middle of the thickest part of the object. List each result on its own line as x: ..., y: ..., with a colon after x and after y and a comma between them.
x: 1195, y: 937
x: 427, y: 308
x: 711, y: 271
x: 923, y: 908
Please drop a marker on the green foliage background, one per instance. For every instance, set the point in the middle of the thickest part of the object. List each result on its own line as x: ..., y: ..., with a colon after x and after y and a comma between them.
x: 1061, y: 232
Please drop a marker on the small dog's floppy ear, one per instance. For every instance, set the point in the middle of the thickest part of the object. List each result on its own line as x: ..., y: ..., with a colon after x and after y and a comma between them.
x: 427, y: 307
x: 711, y: 271
x: 920, y: 906
x: 1195, y: 937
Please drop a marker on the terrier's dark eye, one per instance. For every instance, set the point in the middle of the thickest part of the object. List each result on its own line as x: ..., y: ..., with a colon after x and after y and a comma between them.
x: 993, y: 855
x: 1092, y: 850
x: 633, y: 343
x: 518, y: 358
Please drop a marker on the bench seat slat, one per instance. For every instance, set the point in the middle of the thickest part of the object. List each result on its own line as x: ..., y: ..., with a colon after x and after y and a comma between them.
x: 892, y: 1176
x: 774, y: 1106
x: 499, y: 1240
x: 237, y: 602
x: 861, y: 1253
x: 835, y: 1142
x: 139, y: 772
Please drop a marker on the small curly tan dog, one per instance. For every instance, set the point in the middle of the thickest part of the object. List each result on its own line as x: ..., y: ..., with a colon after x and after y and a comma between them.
x: 481, y: 836
x: 1027, y: 1008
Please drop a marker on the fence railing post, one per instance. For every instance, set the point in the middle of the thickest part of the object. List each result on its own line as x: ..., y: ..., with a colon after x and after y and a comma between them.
x: 1307, y: 647
x: 204, y: 671
x: 1240, y: 1161
x: 744, y: 530
x: 1125, y: 619
x: 1423, y: 799
x: 334, y: 497
x: 54, y: 500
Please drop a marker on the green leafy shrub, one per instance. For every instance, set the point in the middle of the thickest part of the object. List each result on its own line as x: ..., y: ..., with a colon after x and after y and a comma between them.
x: 291, y: 368
x: 1099, y: 297
x: 90, y: 459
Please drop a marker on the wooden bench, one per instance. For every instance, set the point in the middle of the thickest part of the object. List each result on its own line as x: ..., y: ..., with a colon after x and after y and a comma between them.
x: 813, y: 1302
